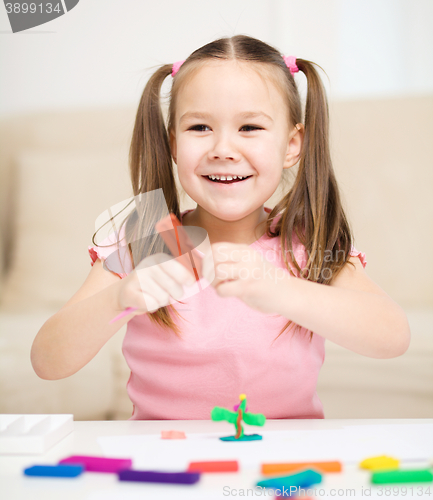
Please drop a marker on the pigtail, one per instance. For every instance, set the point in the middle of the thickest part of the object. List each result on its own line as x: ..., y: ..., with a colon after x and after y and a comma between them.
x: 312, y: 208
x: 327, y: 233
x: 151, y: 168
x: 149, y: 155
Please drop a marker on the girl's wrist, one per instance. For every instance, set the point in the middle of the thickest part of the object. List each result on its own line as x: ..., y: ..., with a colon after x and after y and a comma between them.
x: 115, y: 297
x: 286, y: 295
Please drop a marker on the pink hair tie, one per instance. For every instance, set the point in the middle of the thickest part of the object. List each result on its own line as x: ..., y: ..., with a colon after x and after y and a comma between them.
x: 176, y: 67
x: 291, y: 64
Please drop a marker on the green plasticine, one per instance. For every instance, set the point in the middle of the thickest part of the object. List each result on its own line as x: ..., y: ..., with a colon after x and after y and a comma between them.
x: 245, y: 437
x: 236, y: 417
x: 303, y: 479
x: 402, y: 476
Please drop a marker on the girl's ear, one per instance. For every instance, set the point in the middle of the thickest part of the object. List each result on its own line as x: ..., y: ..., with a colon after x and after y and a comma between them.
x: 173, y: 146
x: 294, y: 146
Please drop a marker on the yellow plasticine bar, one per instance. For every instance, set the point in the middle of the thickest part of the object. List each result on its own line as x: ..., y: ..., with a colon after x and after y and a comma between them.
x: 382, y: 462
x: 281, y: 468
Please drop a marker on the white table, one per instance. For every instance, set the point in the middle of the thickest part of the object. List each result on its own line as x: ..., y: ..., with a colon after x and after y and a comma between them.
x: 83, y: 441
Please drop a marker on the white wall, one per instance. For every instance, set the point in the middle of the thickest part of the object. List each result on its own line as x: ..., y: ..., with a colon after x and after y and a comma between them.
x: 101, y: 51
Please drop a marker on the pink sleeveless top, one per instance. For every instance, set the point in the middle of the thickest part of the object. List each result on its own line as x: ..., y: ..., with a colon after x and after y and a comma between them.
x: 227, y: 348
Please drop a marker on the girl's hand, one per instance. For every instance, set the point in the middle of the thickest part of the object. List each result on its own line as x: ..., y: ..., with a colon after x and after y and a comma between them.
x: 236, y: 270
x: 156, y: 282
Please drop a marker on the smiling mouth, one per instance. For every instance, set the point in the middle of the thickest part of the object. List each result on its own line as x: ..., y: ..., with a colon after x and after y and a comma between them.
x: 231, y: 180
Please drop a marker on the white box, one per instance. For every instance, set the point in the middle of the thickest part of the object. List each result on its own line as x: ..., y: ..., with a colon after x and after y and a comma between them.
x: 32, y: 434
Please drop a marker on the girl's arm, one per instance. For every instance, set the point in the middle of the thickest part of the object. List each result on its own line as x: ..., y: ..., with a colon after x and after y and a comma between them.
x: 352, y: 311
x: 76, y: 333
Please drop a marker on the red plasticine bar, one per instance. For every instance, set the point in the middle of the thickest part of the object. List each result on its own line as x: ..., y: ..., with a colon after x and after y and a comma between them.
x: 218, y: 466
x: 99, y: 464
x: 179, y: 243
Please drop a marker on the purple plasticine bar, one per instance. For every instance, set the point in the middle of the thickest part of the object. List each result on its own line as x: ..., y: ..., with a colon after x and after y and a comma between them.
x: 99, y: 464
x: 149, y: 476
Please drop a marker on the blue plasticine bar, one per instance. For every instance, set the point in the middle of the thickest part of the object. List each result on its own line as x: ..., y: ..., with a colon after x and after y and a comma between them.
x: 149, y: 476
x: 303, y: 479
x: 54, y: 470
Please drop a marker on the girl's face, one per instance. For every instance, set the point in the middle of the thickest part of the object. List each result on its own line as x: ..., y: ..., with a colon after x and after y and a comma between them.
x: 230, y: 121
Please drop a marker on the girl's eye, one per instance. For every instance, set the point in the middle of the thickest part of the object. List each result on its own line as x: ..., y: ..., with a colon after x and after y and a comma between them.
x: 199, y: 128
x: 250, y: 128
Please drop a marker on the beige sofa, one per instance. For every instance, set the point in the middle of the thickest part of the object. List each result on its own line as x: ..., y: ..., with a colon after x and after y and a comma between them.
x: 60, y: 170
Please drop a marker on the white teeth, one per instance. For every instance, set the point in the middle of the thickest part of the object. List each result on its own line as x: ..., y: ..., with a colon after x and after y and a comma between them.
x: 228, y: 178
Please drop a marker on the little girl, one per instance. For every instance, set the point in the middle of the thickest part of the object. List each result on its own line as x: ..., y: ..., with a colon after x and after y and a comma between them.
x: 279, y: 280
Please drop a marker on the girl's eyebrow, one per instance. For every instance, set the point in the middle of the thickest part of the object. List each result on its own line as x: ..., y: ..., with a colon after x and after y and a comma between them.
x: 255, y: 114
x: 189, y: 115
x: 206, y: 116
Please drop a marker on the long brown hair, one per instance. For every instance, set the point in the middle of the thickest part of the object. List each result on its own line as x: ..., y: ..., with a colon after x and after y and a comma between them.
x: 311, y: 209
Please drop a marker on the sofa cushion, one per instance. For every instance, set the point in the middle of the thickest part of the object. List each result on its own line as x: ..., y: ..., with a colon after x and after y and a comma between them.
x: 355, y: 386
x: 60, y: 195
x: 89, y: 394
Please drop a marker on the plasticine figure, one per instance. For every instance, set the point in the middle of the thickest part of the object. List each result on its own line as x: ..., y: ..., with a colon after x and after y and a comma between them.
x: 235, y: 417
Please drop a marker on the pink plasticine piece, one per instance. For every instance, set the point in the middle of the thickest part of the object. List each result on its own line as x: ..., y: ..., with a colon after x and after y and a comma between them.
x: 173, y: 435
x: 99, y: 464
x: 123, y: 314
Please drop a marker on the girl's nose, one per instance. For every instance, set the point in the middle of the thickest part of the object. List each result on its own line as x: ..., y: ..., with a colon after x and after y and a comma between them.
x: 223, y: 149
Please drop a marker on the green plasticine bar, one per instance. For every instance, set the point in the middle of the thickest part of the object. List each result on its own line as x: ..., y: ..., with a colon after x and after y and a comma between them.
x: 402, y: 476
